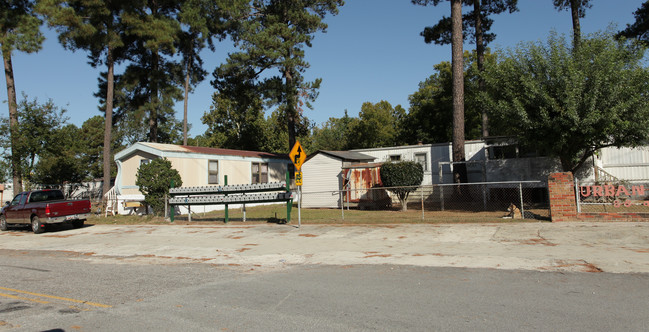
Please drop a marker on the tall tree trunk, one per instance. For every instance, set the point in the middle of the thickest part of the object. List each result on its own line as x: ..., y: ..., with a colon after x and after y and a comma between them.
x: 576, y: 29
x: 291, y: 115
x: 13, y: 122
x: 479, y: 45
x: 155, y: 100
x: 187, y: 68
x: 459, y: 170
x: 110, y: 81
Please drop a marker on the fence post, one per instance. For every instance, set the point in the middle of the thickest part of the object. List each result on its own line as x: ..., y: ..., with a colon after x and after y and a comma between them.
x: 342, y: 206
x: 520, y: 194
x: 225, y: 183
x: 484, y: 196
x: 348, y: 197
x: 441, y: 197
x: 577, y: 195
x: 422, y: 204
x: 289, y: 203
x: 172, y: 210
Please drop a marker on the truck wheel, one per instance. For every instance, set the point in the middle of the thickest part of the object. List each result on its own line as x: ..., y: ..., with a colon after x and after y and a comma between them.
x: 77, y: 223
x: 37, y: 226
x: 3, y: 223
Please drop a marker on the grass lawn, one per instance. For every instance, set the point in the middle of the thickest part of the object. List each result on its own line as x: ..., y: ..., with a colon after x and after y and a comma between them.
x: 277, y: 214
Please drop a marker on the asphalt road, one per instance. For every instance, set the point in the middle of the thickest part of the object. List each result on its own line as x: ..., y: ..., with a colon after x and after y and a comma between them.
x: 64, y: 291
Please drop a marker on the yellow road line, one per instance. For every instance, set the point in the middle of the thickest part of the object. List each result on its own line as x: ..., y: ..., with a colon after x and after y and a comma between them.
x: 22, y: 298
x: 58, y: 298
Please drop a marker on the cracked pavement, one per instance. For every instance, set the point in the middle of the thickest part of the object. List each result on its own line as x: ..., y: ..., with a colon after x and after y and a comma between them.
x: 579, y: 246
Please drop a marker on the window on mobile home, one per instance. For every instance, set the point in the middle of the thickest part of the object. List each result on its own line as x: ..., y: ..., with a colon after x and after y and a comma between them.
x: 421, y: 159
x: 213, y: 172
x: 259, y: 172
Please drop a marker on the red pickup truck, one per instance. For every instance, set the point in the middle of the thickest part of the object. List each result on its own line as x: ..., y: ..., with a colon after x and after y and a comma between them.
x: 41, y: 207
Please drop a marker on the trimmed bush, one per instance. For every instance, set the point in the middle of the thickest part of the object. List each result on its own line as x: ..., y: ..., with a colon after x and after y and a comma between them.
x: 405, y: 174
x: 154, y: 180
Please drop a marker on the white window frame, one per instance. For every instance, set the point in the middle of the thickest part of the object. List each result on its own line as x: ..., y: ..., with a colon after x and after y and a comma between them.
x: 425, y: 161
x: 209, y: 171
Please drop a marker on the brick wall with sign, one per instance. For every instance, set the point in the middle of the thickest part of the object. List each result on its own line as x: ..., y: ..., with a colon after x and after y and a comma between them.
x: 563, y: 203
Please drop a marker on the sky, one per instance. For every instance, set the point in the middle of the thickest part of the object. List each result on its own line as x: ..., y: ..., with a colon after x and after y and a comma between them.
x: 371, y: 51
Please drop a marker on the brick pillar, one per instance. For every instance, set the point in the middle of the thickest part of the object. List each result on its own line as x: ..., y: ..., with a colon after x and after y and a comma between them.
x: 563, y: 206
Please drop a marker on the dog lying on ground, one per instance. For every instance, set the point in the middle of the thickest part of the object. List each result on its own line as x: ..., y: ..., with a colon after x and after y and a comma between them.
x: 513, y: 212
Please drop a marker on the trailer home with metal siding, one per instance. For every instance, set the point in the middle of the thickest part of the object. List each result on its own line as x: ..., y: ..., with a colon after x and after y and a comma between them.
x: 323, y: 177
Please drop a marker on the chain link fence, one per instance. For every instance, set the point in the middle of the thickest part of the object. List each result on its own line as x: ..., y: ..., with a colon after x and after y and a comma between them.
x: 91, y: 190
x: 475, y: 201
x: 87, y: 190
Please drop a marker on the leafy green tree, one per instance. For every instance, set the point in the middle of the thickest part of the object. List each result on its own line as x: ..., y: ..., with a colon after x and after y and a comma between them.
x: 61, y: 161
x: 199, y: 140
x: 402, y: 178
x: 36, y: 133
x: 577, y: 10
x: 429, y: 117
x: 52, y: 151
x: 19, y: 31
x: 233, y: 125
x: 97, y: 27
x: 236, y: 117
x: 275, y: 133
x: 5, y: 171
x: 154, y: 180
x: 569, y: 103
x: 274, y: 37
x: 379, y: 125
x: 336, y: 134
x: 640, y: 28
x: 90, y: 145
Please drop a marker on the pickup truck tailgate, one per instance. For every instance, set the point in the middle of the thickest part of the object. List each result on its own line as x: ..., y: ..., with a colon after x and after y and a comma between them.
x: 59, y: 209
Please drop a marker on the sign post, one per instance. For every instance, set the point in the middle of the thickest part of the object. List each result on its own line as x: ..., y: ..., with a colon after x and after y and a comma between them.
x: 298, y: 156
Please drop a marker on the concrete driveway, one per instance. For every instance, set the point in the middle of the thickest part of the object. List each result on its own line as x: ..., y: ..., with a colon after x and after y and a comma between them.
x: 586, y: 247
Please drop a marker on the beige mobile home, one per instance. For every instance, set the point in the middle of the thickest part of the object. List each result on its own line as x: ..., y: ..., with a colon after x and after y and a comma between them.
x: 198, y: 166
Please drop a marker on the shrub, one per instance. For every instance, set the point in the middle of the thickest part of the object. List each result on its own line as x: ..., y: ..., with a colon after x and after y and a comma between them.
x: 154, y: 180
x: 404, y: 174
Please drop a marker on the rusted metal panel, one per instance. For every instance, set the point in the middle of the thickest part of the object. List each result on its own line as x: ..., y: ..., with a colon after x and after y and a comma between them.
x: 360, y: 183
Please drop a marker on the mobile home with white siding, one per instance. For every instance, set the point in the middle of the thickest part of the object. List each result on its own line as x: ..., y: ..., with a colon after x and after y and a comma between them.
x: 629, y: 164
x: 486, y: 161
x: 498, y: 159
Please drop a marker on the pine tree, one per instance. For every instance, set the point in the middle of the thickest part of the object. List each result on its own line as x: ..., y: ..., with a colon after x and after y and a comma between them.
x: 97, y: 27
x: 19, y: 31
x: 577, y: 10
x: 640, y: 28
x: 274, y: 37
